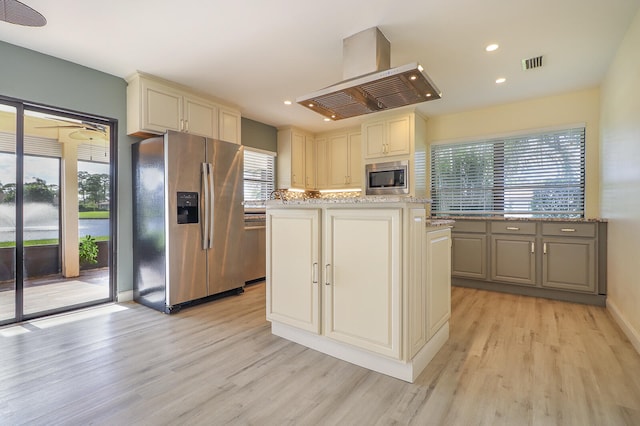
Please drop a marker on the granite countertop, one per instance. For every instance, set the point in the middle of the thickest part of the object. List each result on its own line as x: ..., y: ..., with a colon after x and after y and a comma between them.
x: 439, y: 223
x: 524, y: 219
x: 349, y: 200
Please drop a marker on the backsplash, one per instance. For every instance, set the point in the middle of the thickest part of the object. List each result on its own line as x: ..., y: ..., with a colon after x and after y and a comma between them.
x: 307, y: 195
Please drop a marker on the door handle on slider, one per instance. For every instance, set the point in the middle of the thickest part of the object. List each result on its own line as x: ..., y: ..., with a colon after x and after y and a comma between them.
x: 512, y: 228
x: 533, y: 247
x: 314, y: 273
x: 326, y: 274
x: 544, y: 248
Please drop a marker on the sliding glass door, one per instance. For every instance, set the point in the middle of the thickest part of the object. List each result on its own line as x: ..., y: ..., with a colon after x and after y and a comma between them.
x: 55, y: 203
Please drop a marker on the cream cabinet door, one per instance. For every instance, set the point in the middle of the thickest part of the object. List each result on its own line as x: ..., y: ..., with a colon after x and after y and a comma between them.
x: 338, y: 149
x: 293, y: 272
x: 200, y: 118
x: 374, y: 139
x: 161, y: 108
x: 362, y: 279
x: 438, y: 279
x: 310, y: 163
x: 229, y: 126
x: 322, y: 164
x: 356, y: 170
x: 398, y: 136
x: 298, y: 159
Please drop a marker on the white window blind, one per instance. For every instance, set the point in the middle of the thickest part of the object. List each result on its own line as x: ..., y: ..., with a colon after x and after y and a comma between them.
x: 537, y: 175
x: 259, y: 176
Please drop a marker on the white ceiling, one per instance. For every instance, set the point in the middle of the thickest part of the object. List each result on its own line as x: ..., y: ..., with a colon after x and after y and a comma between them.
x: 254, y: 54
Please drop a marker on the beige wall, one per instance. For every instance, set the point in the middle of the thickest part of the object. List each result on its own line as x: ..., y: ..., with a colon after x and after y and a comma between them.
x: 582, y: 107
x: 620, y: 163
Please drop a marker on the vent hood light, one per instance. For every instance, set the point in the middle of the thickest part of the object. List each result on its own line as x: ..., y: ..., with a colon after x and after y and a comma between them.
x: 370, y: 85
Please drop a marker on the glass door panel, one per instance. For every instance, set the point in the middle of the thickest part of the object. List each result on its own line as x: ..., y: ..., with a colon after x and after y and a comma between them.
x: 66, y: 183
x: 8, y: 122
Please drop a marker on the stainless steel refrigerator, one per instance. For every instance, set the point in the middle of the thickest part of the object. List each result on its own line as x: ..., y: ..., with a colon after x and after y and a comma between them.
x: 188, y: 221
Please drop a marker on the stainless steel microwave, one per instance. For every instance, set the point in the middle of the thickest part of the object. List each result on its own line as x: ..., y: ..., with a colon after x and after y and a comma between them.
x: 391, y: 178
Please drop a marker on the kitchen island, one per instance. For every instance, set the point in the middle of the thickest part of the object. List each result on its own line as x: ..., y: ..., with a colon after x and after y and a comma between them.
x: 366, y: 280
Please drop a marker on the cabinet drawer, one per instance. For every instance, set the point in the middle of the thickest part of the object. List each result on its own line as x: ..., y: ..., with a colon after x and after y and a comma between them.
x: 513, y: 227
x: 569, y: 229
x: 470, y: 226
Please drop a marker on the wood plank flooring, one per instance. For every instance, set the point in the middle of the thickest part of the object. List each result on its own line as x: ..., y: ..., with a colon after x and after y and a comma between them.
x: 510, y: 360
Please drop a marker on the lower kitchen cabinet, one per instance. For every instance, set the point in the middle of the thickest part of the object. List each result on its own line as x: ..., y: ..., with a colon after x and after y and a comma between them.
x: 364, y: 282
x: 362, y: 278
x: 562, y: 260
x: 513, y: 259
x: 293, y: 250
x: 569, y: 256
x: 438, y: 280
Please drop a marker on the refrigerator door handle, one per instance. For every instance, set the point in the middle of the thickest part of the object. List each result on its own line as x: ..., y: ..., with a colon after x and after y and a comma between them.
x: 205, y: 216
x: 211, y: 209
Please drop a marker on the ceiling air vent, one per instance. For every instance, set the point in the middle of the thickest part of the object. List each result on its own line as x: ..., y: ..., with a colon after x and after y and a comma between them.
x: 531, y: 63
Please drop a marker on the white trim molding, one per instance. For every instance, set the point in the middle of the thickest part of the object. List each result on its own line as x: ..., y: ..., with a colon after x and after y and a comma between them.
x: 632, y: 334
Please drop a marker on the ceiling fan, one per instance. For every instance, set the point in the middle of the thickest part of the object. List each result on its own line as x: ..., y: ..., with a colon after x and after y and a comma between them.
x: 15, y: 12
x: 86, y: 131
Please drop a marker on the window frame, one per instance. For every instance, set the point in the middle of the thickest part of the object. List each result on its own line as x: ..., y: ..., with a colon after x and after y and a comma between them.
x: 270, y: 184
x: 523, y: 157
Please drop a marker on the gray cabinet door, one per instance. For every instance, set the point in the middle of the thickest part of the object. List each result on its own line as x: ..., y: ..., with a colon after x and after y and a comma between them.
x: 513, y: 259
x: 469, y: 255
x: 569, y: 264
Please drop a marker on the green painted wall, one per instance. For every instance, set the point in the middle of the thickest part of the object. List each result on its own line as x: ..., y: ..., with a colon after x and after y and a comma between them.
x: 259, y: 135
x: 31, y: 76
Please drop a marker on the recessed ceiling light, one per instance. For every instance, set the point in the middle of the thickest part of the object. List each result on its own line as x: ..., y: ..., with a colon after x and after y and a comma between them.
x: 287, y: 102
x: 310, y: 105
x: 491, y: 47
x: 501, y: 80
x: 327, y: 119
x: 428, y: 95
x: 413, y: 77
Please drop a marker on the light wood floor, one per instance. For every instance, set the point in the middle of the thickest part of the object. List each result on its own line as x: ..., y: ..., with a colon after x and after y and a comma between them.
x: 510, y: 360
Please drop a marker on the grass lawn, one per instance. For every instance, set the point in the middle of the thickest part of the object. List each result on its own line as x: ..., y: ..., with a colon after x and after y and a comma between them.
x: 94, y: 215
x: 52, y: 241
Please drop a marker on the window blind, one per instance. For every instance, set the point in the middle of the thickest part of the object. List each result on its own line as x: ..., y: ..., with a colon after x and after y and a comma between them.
x: 537, y: 175
x: 259, y: 176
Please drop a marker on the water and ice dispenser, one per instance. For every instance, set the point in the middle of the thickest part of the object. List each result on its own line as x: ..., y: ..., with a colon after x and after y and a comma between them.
x: 187, y: 205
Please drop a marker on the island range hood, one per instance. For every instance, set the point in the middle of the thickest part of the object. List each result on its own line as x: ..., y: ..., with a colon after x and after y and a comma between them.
x: 369, y: 84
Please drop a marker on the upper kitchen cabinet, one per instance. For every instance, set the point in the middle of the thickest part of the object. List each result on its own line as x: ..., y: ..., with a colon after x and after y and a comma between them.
x: 392, y: 136
x: 229, y: 125
x: 292, y: 159
x: 345, y: 165
x: 155, y: 106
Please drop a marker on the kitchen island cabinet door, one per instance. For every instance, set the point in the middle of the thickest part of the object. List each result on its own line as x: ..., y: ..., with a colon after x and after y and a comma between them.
x: 362, y: 291
x: 293, y: 273
x: 438, y: 279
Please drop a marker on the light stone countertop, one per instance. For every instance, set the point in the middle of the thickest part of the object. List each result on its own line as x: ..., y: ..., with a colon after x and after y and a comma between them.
x: 348, y: 200
x: 439, y: 223
x: 523, y: 219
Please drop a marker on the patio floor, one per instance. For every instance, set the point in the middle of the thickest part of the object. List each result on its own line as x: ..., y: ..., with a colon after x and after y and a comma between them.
x: 55, y: 292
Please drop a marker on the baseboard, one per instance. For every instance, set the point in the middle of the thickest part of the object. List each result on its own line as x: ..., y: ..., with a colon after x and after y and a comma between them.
x: 407, y: 371
x: 125, y: 296
x: 632, y: 334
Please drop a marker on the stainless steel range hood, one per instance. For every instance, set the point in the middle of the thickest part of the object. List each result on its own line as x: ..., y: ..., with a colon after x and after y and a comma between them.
x: 370, y: 85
